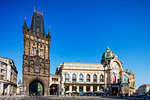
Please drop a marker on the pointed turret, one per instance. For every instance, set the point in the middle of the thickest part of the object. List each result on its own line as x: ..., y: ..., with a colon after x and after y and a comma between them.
x: 49, y: 33
x: 24, y: 25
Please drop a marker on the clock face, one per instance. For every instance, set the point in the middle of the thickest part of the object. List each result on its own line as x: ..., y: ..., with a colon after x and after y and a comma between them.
x: 115, y: 66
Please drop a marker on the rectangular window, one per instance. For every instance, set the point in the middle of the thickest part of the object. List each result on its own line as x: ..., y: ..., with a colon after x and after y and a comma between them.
x: 36, y: 68
x: 40, y: 52
x: 80, y: 88
x: 33, y: 51
x: 2, y: 77
x: 94, y: 88
x: 87, y: 88
x: 67, y: 88
x: 73, y: 88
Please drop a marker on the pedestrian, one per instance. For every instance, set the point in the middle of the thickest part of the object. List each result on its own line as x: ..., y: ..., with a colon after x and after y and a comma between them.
x: 10, y: 93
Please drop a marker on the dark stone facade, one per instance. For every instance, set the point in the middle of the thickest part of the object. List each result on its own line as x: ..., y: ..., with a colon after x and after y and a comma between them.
x: 36, y: 63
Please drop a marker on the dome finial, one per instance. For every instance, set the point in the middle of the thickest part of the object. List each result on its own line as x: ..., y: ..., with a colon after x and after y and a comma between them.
x: 108, y: 47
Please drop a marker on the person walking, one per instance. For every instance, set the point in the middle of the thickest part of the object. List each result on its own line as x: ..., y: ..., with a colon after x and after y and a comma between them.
x: 10, y: 93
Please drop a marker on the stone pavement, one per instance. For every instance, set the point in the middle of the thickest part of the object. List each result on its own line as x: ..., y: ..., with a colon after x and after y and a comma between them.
x: 17, y: 97
x: 50, y: 97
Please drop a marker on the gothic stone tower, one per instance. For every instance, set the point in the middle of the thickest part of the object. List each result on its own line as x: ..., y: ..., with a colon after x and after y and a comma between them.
x: 36, y: 63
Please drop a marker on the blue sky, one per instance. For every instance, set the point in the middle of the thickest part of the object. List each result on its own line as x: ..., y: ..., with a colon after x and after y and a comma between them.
x: 82, y: 30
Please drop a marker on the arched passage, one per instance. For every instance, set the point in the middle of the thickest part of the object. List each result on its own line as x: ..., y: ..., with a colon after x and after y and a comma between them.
x: 36, y: 88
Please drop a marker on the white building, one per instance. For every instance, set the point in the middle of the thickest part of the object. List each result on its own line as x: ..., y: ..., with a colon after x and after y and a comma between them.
x: 8, y: 76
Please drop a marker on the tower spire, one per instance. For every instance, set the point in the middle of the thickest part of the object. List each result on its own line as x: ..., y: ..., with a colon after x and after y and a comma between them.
x: 49, y: 31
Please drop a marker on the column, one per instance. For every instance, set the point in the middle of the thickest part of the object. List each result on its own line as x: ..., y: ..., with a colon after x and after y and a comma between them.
x: 97, y: 88
x: 1, y: 88
x: 84, y: 89
x: 77, y: 75
x: 70, y: 88
x: 91, y: 77
x: 78, y: 89
x: 84, y: 80
x: 91, y: 88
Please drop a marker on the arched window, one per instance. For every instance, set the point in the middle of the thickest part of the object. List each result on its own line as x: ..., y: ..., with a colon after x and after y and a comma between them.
x: 81, y: 78
x: 67, y: 77
x: 101, y: 78
x: 87, y: 78
x: 95, y: 78
x: 74, y: 78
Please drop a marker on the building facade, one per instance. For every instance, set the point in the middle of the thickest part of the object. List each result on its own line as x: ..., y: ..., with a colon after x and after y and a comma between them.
x: 54, y: 84
x: 8, y: 76
x: 19, y: 88
x: 107, y: 77
x: 145, y: 88
x: 36, y: 63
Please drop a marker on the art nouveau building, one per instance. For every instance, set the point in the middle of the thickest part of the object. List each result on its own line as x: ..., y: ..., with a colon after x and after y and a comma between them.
x: 8, y: 76
x: 108, y: 77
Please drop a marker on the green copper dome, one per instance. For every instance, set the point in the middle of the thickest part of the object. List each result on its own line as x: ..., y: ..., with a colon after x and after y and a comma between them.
x: 108, y: 55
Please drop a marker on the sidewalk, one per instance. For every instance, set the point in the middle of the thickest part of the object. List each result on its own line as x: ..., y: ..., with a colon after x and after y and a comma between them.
x: 13, y: 96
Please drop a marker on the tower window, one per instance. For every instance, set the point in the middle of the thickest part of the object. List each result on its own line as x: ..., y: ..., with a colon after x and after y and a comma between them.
x: 34, y: 51
x: 41, y: 52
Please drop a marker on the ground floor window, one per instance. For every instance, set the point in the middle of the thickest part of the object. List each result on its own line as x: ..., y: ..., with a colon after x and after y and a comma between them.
x: 80, y: 88
x: 67, y: 88
x: 87, y: 88
x: 73, y: 88
x: 101, y: 88
x: 94, y: 88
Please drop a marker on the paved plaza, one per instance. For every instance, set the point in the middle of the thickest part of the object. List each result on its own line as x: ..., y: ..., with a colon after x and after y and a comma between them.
x: 56, y: 98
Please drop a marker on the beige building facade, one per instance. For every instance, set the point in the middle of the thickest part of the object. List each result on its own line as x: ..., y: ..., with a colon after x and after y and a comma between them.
x: 108, y: 77
x: 8, y: 77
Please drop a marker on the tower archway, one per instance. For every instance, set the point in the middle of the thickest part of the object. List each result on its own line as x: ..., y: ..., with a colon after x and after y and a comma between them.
x: 36, y: 88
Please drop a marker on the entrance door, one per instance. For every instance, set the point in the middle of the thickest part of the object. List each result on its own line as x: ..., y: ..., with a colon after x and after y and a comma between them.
x: 53, y: 89
x: 36, y: 88
x: 114, y: 91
